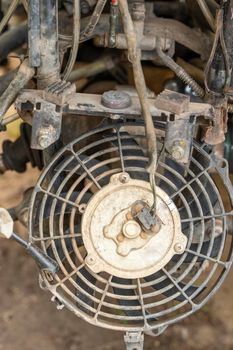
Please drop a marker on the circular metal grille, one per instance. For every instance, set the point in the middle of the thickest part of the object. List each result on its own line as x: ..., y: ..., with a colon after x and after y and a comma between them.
x: 59, y: 200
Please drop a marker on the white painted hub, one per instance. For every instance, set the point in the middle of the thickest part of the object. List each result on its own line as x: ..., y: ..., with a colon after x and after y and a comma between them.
x: 112, y: 203
x: 131, y: 229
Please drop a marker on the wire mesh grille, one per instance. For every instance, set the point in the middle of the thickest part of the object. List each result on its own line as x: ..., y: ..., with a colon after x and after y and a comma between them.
x: 81, y: 169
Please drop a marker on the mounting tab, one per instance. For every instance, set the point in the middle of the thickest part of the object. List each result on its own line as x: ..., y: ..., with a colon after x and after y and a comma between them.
x: 134, y: 340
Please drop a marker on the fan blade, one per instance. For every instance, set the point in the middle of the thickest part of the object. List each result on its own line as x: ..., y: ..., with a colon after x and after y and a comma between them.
x: 69, y: 246
x: 172, y: 291
x: 126, y: 293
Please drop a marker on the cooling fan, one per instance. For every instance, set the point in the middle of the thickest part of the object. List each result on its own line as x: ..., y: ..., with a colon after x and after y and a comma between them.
x: 90, y: 210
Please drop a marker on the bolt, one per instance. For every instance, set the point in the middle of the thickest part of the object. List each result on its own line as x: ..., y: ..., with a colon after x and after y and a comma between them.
x: 124, y: 178
x: 116, y: 99
x: 177, y: 152
x: 90, y: 260
x: 114, y: 116
x: 178, y: 248
x: 82, y: 208
x: 45, y: 138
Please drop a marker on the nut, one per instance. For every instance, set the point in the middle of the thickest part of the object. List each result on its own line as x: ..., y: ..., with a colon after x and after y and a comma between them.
x: 177, y: 152
x: 46, y: 136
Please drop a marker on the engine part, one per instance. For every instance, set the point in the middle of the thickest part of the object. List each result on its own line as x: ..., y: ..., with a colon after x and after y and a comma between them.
x: 129, y: 235
x: 77, y: 197
x: 180, y: 72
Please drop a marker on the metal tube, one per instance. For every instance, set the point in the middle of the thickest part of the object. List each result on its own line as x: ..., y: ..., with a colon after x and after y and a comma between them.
x: 22, y: 77
x: 34, y: 33
x: 10, y: 119
x: 206, y: 12
x: 93, y: 69
x: 49, y: 69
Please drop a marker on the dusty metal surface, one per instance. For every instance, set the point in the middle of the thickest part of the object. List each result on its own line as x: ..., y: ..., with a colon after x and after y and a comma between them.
x: 135, y: 253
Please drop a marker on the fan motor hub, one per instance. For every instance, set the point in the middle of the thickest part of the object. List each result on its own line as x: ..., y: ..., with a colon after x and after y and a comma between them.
x: 117, y: 243
x: 131, y: 229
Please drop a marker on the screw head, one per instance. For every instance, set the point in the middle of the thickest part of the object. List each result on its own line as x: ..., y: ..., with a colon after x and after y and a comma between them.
x: 82, y: 208
x: 124, y: 178
x: 90, y: 260
x: 178, y: 248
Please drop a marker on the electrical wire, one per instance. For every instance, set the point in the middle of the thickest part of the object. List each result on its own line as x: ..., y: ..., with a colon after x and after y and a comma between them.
x: 207, y: 14
x: 219, y: 37
x: 134, y: 56
x: 93, y: 20
x: 25, y: 5
x: 76, y: 36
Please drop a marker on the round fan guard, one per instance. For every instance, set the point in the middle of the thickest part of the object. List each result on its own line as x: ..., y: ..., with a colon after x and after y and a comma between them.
x: 186, y: 283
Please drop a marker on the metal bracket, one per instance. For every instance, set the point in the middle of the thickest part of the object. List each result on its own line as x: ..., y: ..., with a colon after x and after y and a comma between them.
x: 134, y: 340
x: 46, y: 125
